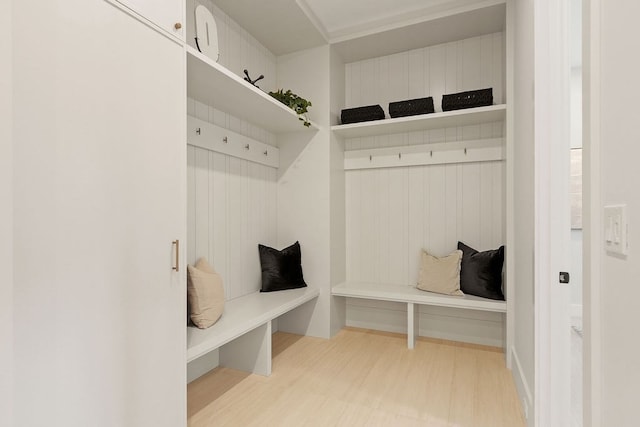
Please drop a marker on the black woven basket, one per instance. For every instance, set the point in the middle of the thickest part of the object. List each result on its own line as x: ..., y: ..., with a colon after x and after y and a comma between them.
x: 411, y: 107
x: 470, y: 99
x: 361, y: 114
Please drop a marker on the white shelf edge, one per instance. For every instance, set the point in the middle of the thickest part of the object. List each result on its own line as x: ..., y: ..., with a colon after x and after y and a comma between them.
x: 237, y: 84
x: 235, y: 79
x: 466, y: 117
x: 409, y: 294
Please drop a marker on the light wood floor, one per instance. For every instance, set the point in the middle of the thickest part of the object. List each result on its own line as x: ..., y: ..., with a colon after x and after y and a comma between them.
x: 362, y: 378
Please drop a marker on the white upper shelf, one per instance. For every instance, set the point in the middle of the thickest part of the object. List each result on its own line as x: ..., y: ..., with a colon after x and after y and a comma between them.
x: 447, y: 119
x: 442, y: 25
x: 213, y: 84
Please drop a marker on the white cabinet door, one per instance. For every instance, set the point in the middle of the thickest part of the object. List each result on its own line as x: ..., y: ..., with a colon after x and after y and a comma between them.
x: 164, y: 13
x: 99, y: 161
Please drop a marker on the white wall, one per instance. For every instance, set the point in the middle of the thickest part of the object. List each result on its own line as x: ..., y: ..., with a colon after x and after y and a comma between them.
x: 35, y: 331
x: 231, y: 202
x: 523, y: 351
x: 265, y: 205
x: 618, y: 138
x: 239, y: 50
x: 394, y: 213
x: 304, y: 179
x: 391, y: 214
x: 225, y: 120
x: 231, y: 208
x: 468, y: 64
x: 337, y: 190
x: 6, y: 215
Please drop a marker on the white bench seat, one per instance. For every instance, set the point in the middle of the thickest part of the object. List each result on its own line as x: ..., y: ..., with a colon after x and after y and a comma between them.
x: 412, y: 296
x: 245, y: 329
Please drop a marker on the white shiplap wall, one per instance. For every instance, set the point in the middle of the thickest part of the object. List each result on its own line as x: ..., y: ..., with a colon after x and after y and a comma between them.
x: 468, y: 64
x: 239, y: 50
x: 393, y: 213
x: 231, y: 202
x: 474, y: 63
x: 231, y: 209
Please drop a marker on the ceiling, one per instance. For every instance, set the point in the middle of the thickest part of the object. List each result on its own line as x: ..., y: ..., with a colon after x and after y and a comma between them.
x: 344, y: 16
x: 286, y: 26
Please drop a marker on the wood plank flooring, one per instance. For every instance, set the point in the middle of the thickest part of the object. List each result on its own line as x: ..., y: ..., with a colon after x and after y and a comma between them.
x: 362, y: 378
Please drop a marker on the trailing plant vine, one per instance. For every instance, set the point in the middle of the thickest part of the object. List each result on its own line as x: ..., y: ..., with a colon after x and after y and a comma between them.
x: 295, y: 102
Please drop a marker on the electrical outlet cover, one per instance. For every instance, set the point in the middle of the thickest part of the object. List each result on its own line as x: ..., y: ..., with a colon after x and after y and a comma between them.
x: 615, y: 229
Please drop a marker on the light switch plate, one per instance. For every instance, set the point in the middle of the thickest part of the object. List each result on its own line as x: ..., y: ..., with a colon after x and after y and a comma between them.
x: 615, y: 229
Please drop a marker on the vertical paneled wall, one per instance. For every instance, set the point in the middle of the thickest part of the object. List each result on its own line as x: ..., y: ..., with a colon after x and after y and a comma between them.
x: 469, y: 64
x: 231, y: 209
x: 220, y: 118
x: 231, y: 202
x: 394, y: 213
x: 239, y: 50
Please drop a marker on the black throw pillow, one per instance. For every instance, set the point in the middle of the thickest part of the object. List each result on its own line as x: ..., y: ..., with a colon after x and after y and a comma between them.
x: 481, y: 272
x: 281, y: 269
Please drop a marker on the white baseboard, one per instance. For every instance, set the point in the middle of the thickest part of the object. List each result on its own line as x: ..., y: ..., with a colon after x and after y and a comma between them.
x: 522, y: 387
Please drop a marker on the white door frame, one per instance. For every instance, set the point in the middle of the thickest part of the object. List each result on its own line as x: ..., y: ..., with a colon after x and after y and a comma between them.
x: 592, y: 215
x: 552, y: 213
x: 6, y: 215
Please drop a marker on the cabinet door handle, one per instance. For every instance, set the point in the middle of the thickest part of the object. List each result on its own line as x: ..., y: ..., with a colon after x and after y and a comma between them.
x: 177, y: 25
x: 176, y: 243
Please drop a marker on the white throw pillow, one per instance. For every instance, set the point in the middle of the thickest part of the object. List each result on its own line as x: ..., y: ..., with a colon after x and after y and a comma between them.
x: 440, y: 275
x: 206, y: 294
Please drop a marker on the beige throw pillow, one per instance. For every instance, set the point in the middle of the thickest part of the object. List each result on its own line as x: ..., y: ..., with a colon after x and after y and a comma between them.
x: 440, y: 275
x: 205, y: 293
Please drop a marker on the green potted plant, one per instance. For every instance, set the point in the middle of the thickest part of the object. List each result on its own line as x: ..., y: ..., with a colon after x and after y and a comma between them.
x: 295, y: 102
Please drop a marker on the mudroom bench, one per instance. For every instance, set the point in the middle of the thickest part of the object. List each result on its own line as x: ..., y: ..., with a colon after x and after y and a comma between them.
x: 412, y: 297
x: 243, y: 333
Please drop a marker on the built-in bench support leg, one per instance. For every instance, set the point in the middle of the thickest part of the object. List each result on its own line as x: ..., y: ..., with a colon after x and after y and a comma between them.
x: 250, y: 352
x: 412, y: 324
